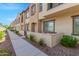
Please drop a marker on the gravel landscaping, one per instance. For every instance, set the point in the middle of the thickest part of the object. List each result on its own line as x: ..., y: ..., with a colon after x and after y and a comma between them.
x: 7, y: 45
x: 58, y: 50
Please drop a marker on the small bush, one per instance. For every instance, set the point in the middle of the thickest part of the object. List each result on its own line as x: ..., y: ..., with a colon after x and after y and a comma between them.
x: 26, y: 36
x: 17, y: 32
x: 68, y: 41
x: 41, y: 42
x: 11, y: 29
x: 31, y: 37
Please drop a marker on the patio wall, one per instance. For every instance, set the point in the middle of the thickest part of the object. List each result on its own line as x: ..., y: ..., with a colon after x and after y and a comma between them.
x: 21, y: 32
x: 49, y: 39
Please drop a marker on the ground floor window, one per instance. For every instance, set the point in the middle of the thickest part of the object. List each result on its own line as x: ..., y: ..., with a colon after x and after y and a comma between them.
x: 49, y: 26
x: 76, y: 25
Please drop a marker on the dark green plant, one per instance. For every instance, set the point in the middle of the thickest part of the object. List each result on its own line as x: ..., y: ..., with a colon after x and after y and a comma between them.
x: 31, y: 37
x: 11, y: 29
x: 41, y: 42
x: 17, y: 32
x: 68, y: 41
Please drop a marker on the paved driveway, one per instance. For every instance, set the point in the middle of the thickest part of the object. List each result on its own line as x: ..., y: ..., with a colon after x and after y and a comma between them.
x: 22, y: 47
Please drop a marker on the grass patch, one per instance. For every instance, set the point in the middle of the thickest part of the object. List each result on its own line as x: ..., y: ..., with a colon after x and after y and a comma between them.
x: 2, y: 35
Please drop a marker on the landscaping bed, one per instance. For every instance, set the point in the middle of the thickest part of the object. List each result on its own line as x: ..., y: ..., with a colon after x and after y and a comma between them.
x: 43, y: 48
x: 58, y: 50
x: 6, y: 48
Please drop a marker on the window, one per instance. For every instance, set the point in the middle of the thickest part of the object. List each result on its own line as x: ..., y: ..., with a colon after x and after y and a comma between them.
x: 22, y: 18
x: 33, y: 9
x: 25, y: 14
x: 49, y: 26
x: 28, y: 13
x: 76, y: 25
x: 19, y: 20
x: 52, y: 5
x: 40, y: 7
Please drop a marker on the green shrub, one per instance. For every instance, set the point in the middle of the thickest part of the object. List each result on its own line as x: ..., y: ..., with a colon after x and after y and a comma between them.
x: 68, y: 41
x: 5, y: 52
x: 17, y: 32
x: 11, y: 29
x: 41, y: 42
x: 26, y: 37
x: 2, y: 34
x: 31, y: 37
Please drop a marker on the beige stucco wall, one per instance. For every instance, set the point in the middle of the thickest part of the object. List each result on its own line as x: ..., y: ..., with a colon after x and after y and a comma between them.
x: 64, y: 24
x: 59, y: 8
x: 33, y: 18
x: 63, y: 19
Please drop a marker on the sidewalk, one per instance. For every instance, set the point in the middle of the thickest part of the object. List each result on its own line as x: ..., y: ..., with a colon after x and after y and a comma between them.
x: 22, y: 47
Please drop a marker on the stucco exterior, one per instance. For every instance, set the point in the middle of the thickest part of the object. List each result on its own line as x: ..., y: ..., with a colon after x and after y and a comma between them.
x: 61, y: 14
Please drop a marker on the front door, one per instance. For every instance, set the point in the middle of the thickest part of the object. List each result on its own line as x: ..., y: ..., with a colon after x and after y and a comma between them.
x: 33, y: 27
x: 25, y: 29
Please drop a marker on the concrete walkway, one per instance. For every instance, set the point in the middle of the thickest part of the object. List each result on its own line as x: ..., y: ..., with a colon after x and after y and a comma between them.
x: 22, y: 47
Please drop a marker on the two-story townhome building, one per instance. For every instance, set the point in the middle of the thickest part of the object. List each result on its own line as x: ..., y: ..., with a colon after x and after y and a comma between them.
x: 50, y: 21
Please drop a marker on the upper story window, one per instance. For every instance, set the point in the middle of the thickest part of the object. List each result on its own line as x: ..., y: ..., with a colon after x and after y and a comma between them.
x: 21, y: 19
x: 28, y: 13
x: 25, y: 14
x: 52, y: 5
x: 33, y: 9
x: 40, y: 7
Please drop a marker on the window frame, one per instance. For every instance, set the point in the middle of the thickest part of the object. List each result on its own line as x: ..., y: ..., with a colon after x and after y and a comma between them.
x: 28, y: 14
x: 53, y: 27
x: 73, y: 31
x: 40, y: 7
x: 33, y: 11
x: 53, y: 6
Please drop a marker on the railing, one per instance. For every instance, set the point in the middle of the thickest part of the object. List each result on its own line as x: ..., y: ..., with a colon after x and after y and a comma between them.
x: 53, y: 5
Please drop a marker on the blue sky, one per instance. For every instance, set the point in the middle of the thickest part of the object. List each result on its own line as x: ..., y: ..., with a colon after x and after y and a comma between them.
x: 9, y: 11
